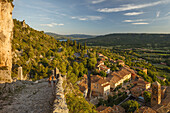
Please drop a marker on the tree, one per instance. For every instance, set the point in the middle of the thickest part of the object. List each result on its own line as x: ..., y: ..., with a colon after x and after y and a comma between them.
x: 130, y: 106
x: 85, y: 47
x: 79, y: 46
x: 102, y: 73
x: 147, y: 96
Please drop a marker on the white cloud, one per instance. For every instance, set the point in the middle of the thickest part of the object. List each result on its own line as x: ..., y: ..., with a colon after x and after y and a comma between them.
x: 88, y: 18
x: 140, y: 23
x: 158, y: 14
x: 133, y: 13
x: 52, y: 24
x: 138, y: 20
x: 97, y: 1
x: 131, y: 6
x: 167, y: 14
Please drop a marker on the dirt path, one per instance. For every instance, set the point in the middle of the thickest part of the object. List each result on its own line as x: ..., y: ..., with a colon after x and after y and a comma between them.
x: 37, y: 98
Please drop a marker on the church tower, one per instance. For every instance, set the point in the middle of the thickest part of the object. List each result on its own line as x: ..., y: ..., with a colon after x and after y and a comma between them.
x: 156, y: 94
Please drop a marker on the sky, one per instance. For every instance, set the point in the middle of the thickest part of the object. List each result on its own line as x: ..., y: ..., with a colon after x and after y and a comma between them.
x: 95, y: 17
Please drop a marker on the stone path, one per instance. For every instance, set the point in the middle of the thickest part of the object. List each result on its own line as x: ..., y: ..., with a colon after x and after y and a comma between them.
x: 36, y: 98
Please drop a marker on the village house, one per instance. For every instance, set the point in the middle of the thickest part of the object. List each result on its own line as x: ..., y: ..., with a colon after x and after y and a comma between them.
x: 100, y: 86
x: 121, y: 62
x: 140, y: 87
x: 143, y: 84
x: 83, y: 86
x: 117, y: 78
x: 112, y: 61
x: 99, y: 63
x: 136, y: 91
x: 102, y: 56
x: 104, y: 68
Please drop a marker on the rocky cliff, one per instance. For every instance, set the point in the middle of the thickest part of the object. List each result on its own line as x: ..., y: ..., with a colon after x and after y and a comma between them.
x: 6, y: 35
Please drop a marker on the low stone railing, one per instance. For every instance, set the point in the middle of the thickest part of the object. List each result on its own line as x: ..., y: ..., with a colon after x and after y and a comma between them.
x: 60, y: 105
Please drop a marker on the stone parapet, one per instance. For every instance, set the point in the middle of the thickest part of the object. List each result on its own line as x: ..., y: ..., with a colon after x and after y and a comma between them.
x: 60, y: 105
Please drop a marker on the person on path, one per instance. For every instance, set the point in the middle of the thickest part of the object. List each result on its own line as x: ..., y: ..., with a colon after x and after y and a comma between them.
x: 54, y: 81
x: 49, y: 80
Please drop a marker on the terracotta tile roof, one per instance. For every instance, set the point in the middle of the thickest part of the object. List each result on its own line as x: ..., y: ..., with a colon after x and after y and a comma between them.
x: 136, y: 91
x: 142, y: 82
x: 118, y: 109
x: 145, y: 109
x: 100, y: 54
x: 102, y: 81
x: 98, y: 79
x: 121, y: 73
x: 101, y: 108
x: 130, y: 70
x: 85, y: 76
x: 103, y: 67
x: 106, y: 85
x: 100, y: 62
x: 95, y: 78
x: 106, y: 110
x: 83, y: 86
x: 114, y: 79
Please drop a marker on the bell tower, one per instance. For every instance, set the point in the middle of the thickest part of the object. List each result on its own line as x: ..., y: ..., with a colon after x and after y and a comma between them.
x: 156, y: 94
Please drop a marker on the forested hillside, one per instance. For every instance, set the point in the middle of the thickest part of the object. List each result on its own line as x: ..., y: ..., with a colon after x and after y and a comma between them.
x: 73, y: 36
x: 130, y: 40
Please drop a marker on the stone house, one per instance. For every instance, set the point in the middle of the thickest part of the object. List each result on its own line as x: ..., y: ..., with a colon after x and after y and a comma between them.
x: 136, y: 91
x: 121, y: 62
x: 99, y: 63
x: 104, y: 68
x: 83, y: 86
x: 100, y: 85
x: 144, y: 84
x: 117, y: 78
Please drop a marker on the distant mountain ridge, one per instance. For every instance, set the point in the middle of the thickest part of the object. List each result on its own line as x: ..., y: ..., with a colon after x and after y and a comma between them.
x: 129, y: 40
x: 72, y: 36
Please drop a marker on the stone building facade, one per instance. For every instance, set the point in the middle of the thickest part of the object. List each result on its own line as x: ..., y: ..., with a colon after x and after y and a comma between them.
x: 156, y: 94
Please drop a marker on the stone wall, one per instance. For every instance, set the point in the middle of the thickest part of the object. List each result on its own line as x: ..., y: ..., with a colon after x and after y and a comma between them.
x: 6, y: 35
x: 60, y: 105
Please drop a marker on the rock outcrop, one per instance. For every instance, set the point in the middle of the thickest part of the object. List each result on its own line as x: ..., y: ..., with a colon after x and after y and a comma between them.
x: 6, y: 35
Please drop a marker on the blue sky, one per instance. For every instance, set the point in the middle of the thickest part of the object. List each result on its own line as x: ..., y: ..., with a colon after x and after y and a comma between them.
x: 95, y: 17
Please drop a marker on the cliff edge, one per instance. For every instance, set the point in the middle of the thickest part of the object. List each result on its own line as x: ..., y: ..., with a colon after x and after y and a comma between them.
x: 6, y: 35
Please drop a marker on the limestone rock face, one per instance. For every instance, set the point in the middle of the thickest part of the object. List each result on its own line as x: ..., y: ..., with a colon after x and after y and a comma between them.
x: 6, y: 34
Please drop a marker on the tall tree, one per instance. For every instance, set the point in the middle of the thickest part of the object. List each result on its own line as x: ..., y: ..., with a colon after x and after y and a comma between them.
x: 85, y: 47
